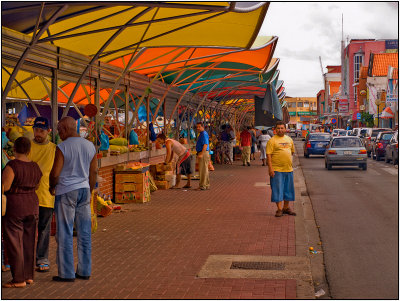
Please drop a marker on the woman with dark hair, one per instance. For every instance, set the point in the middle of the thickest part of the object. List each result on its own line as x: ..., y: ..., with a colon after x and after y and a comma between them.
x: 20, y: 179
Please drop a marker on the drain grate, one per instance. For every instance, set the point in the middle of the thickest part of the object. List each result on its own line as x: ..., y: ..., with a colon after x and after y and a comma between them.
x: 254, y: 265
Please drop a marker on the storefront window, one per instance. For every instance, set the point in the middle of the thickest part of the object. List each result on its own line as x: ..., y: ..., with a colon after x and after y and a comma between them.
x: 300, y: 104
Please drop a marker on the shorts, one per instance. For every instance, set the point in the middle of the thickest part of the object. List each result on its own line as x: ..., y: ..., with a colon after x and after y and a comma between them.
x: 183, y: 167
x: 282, y: 186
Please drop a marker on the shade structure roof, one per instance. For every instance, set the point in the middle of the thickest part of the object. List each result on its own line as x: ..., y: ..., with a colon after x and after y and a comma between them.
x: 114, y: 29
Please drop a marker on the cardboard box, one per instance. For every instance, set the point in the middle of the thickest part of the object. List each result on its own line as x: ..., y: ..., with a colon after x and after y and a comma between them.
x: 126, y: 177
x: 132, y: 197
x: 165, y: 177
x: 162, y: 185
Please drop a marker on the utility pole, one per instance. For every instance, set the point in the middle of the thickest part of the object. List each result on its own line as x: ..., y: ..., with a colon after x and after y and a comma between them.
x: 326, y: 94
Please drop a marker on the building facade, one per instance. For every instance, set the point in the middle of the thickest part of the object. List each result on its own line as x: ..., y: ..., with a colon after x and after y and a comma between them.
x: 301, y: 110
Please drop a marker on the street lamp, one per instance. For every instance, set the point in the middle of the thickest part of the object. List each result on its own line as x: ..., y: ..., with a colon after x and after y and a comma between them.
x: 378, y: 102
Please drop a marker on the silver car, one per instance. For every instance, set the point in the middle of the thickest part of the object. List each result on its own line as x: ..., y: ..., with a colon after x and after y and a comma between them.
x: 346, y: 150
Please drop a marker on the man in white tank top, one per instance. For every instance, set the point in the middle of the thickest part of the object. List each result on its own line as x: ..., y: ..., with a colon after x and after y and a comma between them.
x: 183, y: 164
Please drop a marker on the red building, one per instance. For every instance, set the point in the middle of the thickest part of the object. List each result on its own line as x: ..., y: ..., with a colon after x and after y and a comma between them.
x: 357, y: 55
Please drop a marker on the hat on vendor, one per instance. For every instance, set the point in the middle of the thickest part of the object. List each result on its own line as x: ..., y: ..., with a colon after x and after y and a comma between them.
x: 41, y: 123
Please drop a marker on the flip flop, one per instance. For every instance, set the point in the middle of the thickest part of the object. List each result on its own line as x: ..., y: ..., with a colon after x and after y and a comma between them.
x: 14, y: 285
x: 187, y: 186
x: 29, y: 281
x: 43, y: 268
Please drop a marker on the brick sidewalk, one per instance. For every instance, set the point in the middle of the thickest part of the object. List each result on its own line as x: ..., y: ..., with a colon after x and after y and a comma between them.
x: 155, y: 250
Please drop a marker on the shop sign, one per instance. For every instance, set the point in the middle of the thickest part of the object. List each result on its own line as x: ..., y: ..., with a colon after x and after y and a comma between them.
x: 292, y: 113
x: 333, y: 120
x: 306, y: 113
x: 343, y: 106
x: 392, y: 44
x: 358, y: 116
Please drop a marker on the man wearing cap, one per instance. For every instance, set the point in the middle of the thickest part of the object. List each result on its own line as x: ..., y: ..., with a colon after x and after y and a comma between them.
x: 42, y: 152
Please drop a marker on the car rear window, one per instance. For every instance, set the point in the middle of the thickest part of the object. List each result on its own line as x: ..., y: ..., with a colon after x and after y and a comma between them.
x: 364, y: 131
x: 342, y: 133
x: 320, y: 137
x: 346, y: 142
x: 386, y: 136
x: 376, y: 132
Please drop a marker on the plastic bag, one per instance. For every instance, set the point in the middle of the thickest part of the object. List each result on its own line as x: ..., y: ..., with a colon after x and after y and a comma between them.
x: 133, y: 138
x: 183, y: 133
x: 192, y: 134
x: 104, y: 141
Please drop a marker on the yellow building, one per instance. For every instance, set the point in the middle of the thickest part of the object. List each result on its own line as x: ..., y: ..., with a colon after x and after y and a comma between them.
x: 301, y: 109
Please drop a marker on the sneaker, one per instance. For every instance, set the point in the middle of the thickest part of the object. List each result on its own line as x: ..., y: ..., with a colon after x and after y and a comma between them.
x: 288, y: 211
x: 278, y: 213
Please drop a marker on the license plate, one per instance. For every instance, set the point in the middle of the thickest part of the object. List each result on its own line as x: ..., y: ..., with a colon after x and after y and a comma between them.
x: 320, y: 145
x: 347, y: 152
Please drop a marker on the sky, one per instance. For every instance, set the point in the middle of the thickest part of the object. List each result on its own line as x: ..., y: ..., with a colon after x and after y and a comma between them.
x: 307, y: 30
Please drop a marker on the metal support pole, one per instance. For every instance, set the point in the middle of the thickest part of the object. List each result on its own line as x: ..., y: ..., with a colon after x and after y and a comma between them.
x: 127, y: 130
x: 97, y: 117
x: 54, y: 103
x: 164, y: 114
x: 148, y: 121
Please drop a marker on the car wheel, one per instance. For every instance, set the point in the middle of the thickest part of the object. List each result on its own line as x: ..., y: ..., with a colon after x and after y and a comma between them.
x: 364, y: 167
x: 329, y: 166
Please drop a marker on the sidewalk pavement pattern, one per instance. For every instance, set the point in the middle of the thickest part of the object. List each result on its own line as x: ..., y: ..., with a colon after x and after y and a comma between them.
x: 157, y: 249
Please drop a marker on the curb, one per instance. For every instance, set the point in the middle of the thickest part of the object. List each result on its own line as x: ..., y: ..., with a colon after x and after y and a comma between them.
x: 307, y: 233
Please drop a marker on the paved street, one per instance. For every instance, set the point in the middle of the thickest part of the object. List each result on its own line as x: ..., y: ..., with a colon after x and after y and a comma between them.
x: 156, y: 250
x: 357, y: 212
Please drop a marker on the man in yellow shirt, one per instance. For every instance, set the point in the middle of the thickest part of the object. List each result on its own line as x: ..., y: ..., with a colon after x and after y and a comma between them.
x: 280, y: 149
x: 43, y: 152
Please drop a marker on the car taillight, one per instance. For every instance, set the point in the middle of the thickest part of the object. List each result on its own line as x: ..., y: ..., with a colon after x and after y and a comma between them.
x: 332, y: 152
x: 308, y: 145
x: 380, y: 145
x: 362, y: 151
x: 397, y: 145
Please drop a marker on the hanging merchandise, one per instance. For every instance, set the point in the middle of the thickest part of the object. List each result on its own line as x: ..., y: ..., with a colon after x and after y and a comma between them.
x: 183, y: 133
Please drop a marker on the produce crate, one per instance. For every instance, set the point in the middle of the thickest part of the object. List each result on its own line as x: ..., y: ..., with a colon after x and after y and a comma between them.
x: 132, y: 186
x: 162, y: 184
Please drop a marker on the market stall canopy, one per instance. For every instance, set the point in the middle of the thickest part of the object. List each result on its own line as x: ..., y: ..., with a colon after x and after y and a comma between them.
x: 153, y: 60
x: 387, y: 113
x: 114, y: 29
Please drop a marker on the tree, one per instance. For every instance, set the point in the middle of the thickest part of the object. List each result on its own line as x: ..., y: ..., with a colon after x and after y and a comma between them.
x: 367, y: 119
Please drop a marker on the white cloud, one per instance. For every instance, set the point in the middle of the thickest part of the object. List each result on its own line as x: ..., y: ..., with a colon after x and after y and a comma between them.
x: 309, y: 30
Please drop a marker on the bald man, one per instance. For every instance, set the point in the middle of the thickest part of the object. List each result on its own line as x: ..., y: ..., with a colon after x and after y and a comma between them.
x: 72, y: 180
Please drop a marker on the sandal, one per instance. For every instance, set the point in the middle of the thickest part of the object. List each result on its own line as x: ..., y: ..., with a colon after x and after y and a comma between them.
x: 42, y: 268
x: 14, y: 285
x: 288, y: 211
x: 29, y: 281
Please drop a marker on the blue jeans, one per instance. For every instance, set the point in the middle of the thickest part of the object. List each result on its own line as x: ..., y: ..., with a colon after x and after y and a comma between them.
x: 73, y: 206
x: 42, y: 247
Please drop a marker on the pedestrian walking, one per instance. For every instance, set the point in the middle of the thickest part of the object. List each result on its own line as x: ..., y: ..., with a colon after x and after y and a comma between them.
x: 262, y: 142
x: 72, y: 180
x: 280, y: 149
x: 225, y: 140
x: 232, y: 134
x: 203, y: 156
x: 43, y: 152
x: 20, y: 178
x: 245, y: 144
x: 183, y: 164
x: 253, y: 133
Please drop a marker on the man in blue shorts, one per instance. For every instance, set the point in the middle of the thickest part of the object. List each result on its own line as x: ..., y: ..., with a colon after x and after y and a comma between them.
x: 280, y: 149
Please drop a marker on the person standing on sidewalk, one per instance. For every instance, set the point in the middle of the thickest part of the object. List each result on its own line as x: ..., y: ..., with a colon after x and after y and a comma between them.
x: 72, y: 180
x: 253, y: 133
x: 203, y: 156
x: 43, y: 152
x: 263, y: 140
x: 232, y: 141
x: 20, y: 178
x: 280, y: 149
x: 245, y: 144
x: 184, y: 159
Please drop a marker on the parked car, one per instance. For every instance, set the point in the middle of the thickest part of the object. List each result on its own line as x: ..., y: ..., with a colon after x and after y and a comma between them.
x: 380, y: 143
x: 345, y: 151
x: 358, y: 132
x: 392, y: 149
x: 369, y: 137
x: 335, y: 132
x: 315, y: 144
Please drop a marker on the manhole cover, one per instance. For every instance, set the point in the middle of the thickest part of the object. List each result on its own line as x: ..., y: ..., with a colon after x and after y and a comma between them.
x: 246, y: 265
